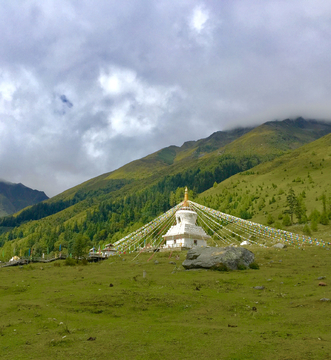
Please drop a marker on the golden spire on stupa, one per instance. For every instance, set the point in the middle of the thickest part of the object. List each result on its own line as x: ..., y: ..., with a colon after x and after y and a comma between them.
x: 185, y: 204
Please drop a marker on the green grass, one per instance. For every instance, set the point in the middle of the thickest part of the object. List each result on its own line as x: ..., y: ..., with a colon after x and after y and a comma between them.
x: 50, y: 311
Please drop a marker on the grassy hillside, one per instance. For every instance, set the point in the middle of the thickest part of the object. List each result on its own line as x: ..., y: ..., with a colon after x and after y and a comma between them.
x: 275, y: 137
x: 263, y: 142
x: 151, y: 168
x: 60, y: 312
x: 111, y: 205
x: 262, y: 191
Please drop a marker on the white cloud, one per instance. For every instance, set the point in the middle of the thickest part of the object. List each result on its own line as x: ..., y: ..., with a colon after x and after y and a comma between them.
x: 137, y: 106
x: 199, y: 18
x: 7, y: 89
x: 132, y: 107
x: 118, y: 81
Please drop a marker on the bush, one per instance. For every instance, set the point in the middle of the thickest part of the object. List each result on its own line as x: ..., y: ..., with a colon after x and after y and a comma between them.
x: 69, y: 262
x: 254, y: 265
x: 241, y: 267
x: 287, y: 220
x: 244, y: 214
x: 313, y: 225
x: 315, y: 215
x: 57, y: 264
x: 83, y: 262
x: 277, y: 225
x: 306, y: 230
x: 303, y: 220
x: 324, y: 220
x: 270, y: 219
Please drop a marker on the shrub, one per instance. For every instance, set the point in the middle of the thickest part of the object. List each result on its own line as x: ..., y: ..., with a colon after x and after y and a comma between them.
x: 287, y: 220
x: 272, y: 200
x: 254, y: 265
x: 244, y: 214
x: 324, y: 220
x: 83, y: 262
x: 306, y: 230
x: 270, y: 219
x: 69, y: 262
x: 57, y: 264
x: 313, y: 225
x: 315, y: 215
x: 277, y: 225
x: 241, y: 267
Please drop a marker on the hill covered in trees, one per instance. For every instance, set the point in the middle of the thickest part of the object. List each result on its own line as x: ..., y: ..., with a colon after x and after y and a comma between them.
x: 293, y: 191
x: 111, y: 205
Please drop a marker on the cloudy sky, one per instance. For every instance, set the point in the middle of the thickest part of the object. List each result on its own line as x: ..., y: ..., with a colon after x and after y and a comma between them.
x: 87, y: 86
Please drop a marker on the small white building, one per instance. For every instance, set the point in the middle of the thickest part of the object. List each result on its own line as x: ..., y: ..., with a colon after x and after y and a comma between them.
x: 109, y: 250
x: 185, y: 233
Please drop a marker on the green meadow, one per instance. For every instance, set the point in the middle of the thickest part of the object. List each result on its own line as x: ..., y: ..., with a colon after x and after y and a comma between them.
x: 109, y: 310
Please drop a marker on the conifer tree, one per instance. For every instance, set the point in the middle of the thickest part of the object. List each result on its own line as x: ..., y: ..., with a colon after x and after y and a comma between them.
x: 300, y: 210
x: 291, y: 201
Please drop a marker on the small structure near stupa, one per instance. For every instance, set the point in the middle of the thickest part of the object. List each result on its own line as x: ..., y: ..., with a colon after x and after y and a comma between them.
x: 185, y: 233
x: 109, y: 250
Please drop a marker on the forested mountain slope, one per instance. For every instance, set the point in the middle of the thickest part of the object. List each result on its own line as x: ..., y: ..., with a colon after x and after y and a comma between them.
x: 263, y: 193
x: 109, y: 206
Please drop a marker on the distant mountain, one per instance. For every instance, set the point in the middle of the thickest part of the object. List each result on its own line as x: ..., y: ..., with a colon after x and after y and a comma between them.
x: 15, y: 197
x: 111, y: 205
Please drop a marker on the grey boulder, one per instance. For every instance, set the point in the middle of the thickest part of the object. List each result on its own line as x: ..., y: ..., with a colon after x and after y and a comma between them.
x: 218, y: 258
x: 280, y: 246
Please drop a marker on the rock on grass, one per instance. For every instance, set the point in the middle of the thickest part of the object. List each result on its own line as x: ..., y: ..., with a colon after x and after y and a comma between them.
x: 228, y: 258
x: 279, y: 246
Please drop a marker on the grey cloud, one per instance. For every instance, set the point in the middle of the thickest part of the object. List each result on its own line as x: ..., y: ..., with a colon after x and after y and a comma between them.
x: 245, y: 63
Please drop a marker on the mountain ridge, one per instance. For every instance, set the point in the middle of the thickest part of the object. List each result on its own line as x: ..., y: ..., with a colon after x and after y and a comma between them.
x: 190, y: 151
x: 15, y: 197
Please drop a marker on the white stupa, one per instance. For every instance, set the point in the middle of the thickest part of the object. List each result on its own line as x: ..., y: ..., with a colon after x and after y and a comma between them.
x: 185, y: 234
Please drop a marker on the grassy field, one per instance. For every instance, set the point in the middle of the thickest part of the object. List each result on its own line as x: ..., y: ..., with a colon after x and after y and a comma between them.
x: 58, y: 312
